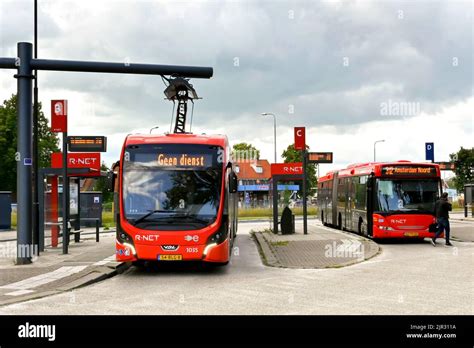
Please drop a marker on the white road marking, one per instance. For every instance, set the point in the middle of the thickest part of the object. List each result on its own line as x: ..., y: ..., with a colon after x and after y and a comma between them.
x: 19, y: 292
x: 105, y: 261
x: 33, y: 282
x: 375, y: 261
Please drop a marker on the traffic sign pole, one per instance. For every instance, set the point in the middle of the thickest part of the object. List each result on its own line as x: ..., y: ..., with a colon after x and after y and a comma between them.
x: 65, y: 196
x: 300, y: 144
x: 305, y: 211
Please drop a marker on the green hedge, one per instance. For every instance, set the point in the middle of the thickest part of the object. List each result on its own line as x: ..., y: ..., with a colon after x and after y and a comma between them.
x: 108, y: 218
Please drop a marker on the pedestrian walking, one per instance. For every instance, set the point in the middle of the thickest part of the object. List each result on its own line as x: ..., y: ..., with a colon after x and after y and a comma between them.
x: 442, y: 209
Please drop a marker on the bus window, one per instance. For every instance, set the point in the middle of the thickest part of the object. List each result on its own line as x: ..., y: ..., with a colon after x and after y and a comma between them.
x: 360, y: 192
x: 406, y: 195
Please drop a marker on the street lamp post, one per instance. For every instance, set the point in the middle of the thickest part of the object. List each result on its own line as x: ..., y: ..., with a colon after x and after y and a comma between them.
x: 274, y: 131
x: 375, y: 143
x: 156, y: 127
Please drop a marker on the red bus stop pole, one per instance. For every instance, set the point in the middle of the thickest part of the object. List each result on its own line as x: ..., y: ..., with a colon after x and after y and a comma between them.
x: 54, y: 211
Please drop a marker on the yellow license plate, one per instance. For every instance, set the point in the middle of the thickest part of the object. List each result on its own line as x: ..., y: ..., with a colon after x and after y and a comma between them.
x: 170, y: 257
x: 411, y: 234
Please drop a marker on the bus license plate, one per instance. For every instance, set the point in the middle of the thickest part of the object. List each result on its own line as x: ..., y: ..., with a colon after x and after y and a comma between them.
x: 170, y: 257
x: 411, y: 234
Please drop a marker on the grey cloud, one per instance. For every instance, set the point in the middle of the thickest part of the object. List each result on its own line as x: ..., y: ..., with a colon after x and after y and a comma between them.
x: 16, y: 24
x: 282, y: 61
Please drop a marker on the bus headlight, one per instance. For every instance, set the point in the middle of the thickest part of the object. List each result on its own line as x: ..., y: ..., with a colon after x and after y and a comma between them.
x: 131, y: 247
x: 218, y: 237
x: 208, y: 247
x: 123, y: 237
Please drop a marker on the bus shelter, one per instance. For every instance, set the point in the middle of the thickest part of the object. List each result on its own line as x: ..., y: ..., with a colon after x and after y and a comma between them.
x: 48, y: 193
x: 283, y: 172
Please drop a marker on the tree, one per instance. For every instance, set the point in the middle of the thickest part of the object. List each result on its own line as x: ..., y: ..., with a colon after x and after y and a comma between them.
x: 245, y: 151
x: 451, y: 182
x: 464, y: 167
x: 47, y: 142
x: 101, y: 185
x: 292, y: 155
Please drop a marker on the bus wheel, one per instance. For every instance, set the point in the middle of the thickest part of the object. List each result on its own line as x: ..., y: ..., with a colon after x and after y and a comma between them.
x: 339, y: 222
x: 231, y: 243
x: 140, y: 264
x: 213, y: 265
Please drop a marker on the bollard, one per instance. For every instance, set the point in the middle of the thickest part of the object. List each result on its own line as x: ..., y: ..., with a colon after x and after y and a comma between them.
x: 97, y: 230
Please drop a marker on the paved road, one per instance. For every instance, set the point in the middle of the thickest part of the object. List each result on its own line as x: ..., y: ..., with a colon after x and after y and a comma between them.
x: 462, y: 230
x: 407, y: 278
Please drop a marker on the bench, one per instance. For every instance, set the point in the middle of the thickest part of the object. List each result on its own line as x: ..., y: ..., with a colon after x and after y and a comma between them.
x: 76, y: 233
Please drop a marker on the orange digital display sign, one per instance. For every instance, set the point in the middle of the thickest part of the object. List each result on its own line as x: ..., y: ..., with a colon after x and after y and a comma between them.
x: 446, y: 165
x: 320, y: 157
x: 87, y: 143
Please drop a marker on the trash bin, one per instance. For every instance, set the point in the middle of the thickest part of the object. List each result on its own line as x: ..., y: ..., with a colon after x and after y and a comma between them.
x: 5, y: 210
x: 287, y: 221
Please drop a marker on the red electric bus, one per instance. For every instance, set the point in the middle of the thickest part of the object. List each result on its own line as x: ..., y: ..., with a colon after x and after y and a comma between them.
x: 177, y: 199
x: 381, y: 200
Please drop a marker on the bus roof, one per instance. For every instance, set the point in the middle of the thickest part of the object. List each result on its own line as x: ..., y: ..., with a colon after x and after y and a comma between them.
x: 177, y: 138
x: 376, y: 168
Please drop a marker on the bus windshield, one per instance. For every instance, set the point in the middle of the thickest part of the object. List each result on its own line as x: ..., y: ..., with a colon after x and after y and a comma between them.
x: 171, y: 186
x: 405, y: 195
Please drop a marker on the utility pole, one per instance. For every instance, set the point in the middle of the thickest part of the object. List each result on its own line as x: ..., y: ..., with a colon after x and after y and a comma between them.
x: 24, y: 161
x: 35, y: 222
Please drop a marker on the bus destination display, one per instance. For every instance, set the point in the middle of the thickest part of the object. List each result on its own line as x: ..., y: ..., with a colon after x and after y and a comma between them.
x: 408, y: 171
x: 184, y: 160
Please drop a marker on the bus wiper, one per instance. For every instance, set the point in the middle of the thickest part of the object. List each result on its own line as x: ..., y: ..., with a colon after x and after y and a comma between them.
x: 141, y: 218
x: 190, y: 217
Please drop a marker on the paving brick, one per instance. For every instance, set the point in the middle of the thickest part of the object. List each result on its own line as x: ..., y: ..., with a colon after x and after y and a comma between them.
x: 320, y: 248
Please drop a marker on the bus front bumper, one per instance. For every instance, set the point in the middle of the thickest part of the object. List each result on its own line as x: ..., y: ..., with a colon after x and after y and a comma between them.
x: 209, y: 253
x: 380, y: 233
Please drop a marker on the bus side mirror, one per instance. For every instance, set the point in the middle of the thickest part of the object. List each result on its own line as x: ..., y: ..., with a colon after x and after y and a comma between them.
x: 370, y: 183
x: 110, y: 181
x: 233, y: 182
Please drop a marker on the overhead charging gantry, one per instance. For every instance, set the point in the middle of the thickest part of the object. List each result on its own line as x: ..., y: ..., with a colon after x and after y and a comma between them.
x: 180, y: 90
x: 25, y: 64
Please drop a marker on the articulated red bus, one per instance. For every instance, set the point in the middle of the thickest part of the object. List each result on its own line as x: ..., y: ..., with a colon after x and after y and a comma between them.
x: 381, y: 200
x: 177, y: 199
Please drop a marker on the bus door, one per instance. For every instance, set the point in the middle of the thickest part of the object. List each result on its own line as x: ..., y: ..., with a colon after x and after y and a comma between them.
x: 333, y: 214
x: 348, y: 210
x: 370, y: 203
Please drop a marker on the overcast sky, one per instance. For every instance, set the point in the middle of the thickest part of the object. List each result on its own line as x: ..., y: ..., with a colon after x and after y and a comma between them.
x: 352, y: 72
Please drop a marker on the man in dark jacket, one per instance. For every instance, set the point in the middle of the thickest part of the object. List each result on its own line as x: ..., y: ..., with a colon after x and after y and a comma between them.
x: 442, y: 209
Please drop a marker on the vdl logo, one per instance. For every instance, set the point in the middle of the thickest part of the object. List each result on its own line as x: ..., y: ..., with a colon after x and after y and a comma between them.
x: 170, y: 247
